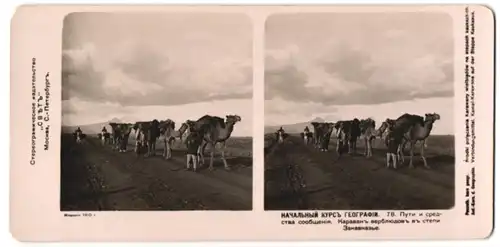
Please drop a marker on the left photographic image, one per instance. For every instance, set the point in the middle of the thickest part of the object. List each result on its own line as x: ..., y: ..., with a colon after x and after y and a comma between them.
x: 156, y: 111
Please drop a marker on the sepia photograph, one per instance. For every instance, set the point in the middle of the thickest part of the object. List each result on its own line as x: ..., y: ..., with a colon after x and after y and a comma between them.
x: 359, y: 111
x: 156, y: 111
x: 360, y: 122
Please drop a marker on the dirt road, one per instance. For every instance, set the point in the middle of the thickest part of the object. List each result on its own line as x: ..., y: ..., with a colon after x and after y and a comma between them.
x: 94, y: 177
x: 355, y: 182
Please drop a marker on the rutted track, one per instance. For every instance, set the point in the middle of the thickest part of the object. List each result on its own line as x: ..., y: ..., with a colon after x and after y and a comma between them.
x: 128, y: 182
x: 355, y: 182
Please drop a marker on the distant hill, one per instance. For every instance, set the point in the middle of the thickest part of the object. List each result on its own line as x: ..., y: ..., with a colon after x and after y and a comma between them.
x: 90, y: 128
x: 293, y: 128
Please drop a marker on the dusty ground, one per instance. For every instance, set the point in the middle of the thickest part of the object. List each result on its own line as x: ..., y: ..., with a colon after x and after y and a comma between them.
x: 94, y: 177
x: 356, y: 182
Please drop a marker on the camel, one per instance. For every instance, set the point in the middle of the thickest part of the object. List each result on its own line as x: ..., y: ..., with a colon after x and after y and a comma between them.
x: 306, y: 135
x: 367, y: 129
x: 214, y: 130
x: 413, y: 128
x: 114, y: 135
x: 167, y: 130
x: 146, y: 135
x: 324, y: 133
x: 122, y: 133
x: 354, y: 133
x: 351, y: 131
x: 419, y: 132
x: 317, y: 134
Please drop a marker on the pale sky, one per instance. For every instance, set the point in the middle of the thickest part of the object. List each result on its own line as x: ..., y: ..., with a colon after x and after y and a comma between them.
x: 344, y: 65
x: 136, y: 66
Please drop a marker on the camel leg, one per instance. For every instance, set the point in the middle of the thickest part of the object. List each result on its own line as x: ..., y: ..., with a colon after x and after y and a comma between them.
x: 422, y: 148
x: 412, y: 145
x: 394, y: 160
x: 148, y: 152
x: 223, y: 156
x: 195, y: 163
x: 401, y: 153
x: 212, y: 150
x: 366, y: 153
x: 136, y: 149
x: 169, y: 149
x: 369, y: 148
x: 188, y: 159
x: 201, y: 152
x: 388, y: 160
x: 165, y: 149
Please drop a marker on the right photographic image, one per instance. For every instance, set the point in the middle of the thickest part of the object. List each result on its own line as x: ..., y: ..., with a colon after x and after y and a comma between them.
x: 359, y: 111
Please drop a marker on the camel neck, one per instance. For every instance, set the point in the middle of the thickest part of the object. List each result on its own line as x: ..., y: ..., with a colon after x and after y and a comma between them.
x: 428, y: 124
x: 227, y: 130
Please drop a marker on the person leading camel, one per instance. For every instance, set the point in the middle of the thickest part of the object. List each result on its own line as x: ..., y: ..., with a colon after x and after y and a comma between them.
x: 392, y: 142
x: 193, y: 143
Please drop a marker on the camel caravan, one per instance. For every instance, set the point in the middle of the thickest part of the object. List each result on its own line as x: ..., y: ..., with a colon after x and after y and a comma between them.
x: 199, y: 134
x: 396, y: 134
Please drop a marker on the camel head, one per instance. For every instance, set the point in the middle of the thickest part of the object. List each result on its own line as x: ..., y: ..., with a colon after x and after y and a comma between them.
x: 191, y: 125
x: 232, y: 119
x: 166, y: 124
x: 432, y: 117
x: 188, y: 126
x: 183, y: 128
x: 387, y: 125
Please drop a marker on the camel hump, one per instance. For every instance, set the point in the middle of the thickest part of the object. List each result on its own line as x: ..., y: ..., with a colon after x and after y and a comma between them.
x: 217, y: 121
x: 205, y: 118
x: 208, y: 121
x: 409, y: 119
